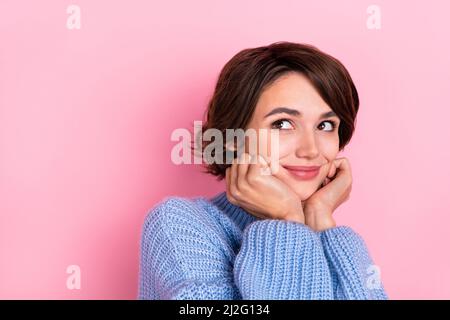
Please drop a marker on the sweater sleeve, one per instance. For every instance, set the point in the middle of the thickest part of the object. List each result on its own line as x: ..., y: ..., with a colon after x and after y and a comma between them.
x: 182, y: 257
x: 282, y: 259
x: 354, y: 275
x: 179, y: 260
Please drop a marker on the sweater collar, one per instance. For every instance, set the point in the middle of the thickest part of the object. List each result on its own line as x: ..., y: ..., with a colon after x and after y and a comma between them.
x: 239, y: 216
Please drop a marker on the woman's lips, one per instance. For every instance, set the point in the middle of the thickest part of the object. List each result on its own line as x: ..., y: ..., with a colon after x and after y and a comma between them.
x: 302, y: 172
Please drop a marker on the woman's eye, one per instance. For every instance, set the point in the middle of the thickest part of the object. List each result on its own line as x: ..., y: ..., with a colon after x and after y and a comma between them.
x: 330, y: 127
x: 282, y: 124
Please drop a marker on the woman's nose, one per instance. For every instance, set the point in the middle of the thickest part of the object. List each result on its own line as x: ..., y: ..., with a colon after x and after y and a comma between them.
x: 307, y: 146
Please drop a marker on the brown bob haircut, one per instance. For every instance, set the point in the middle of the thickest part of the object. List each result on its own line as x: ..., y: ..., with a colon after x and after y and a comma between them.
x: 250, y: 71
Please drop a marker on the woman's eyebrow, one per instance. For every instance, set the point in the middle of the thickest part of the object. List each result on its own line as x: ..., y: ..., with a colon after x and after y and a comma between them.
x: 296, y: 113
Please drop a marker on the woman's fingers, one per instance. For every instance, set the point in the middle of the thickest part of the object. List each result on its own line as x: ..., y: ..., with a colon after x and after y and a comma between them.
x: 244, y: 161
x: 332, y: 170
x: 229, y: 182
x: 339, y: 175
x: 325, y: 181
x: 267, y: 168
x: 243, y: 164
x: 258, y: 167
x: 341, y: 184
x: 338, y: 167
x: 344, y: 173
x: 273, y: 167
x: 331, y: 173
x: 237, y: 176
x: 343, y: 164
x: 233, y: 189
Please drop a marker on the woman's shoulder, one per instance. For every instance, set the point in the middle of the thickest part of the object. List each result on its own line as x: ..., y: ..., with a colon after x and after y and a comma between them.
x: 187, y: 223
x: 177, y: 213
x: 175, y: 203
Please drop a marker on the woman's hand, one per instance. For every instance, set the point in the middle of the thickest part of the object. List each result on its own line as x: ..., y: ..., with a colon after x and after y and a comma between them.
x: 251, y: 186
x: 318, y: 208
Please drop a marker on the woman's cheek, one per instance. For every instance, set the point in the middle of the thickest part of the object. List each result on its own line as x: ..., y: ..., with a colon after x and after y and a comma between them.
x: 330, y: 150
x: 279, y: 148
x: 286, y: 146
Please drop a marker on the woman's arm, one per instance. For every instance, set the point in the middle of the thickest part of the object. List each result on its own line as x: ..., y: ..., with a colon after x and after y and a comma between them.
x: 282, y: 259
x: 354, y: 274
x: 182, y: 257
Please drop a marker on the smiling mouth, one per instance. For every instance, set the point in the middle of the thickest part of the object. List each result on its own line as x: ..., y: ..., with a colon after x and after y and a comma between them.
x: 303, y: 173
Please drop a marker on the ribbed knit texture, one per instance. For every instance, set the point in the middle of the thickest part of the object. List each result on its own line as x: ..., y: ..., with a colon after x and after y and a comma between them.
x: 210, y: 249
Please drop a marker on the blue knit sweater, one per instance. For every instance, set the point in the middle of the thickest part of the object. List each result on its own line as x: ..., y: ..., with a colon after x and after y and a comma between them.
x: 208, y: 248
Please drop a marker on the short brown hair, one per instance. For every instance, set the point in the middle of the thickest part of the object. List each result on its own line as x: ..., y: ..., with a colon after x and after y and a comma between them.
x: 250, y: 71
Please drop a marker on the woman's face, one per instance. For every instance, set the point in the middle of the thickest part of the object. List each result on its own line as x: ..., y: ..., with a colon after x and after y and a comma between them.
x: 306, y: 137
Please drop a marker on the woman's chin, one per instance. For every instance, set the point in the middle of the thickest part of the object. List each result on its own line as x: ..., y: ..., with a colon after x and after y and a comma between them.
x: 305, y: 192
x: 304, y: 189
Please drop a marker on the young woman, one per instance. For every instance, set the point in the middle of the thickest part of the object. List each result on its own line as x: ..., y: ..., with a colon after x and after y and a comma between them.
x: 268, y: 236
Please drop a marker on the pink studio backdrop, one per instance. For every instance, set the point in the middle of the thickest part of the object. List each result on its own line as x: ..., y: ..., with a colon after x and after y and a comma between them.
x: 87, y: 114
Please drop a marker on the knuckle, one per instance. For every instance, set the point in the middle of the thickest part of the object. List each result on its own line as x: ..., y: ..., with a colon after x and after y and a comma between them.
x: 244, y: 187
x: 350, y: 181
x: 253, y: 179
x: 231, y: 198
x: 234, y: 192
x: 240, y: 183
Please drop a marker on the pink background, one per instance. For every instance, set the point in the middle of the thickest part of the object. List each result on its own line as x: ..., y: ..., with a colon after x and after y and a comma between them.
x: 86, y: 118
